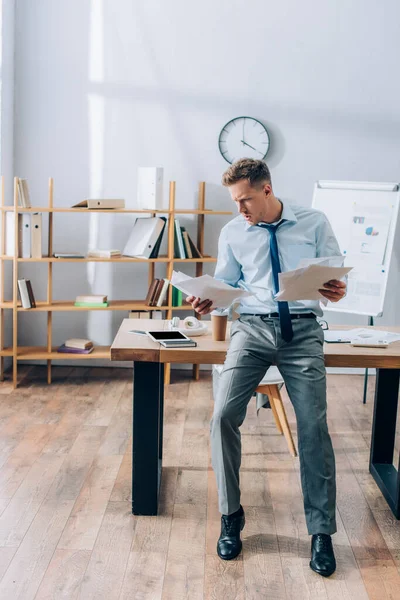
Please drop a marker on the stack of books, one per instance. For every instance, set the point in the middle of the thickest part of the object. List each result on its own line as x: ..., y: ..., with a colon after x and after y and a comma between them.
x: 26, y: 293
x: 184, y: 247
x: 104, y: 253
x: 157, y: 292
x: 91, y: 301
x: 76, y: 346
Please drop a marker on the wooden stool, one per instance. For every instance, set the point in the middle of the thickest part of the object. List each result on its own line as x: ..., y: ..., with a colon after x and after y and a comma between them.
x: 269, y: 385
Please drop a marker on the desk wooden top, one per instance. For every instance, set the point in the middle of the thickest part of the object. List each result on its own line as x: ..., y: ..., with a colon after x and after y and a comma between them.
x: 132, y: 347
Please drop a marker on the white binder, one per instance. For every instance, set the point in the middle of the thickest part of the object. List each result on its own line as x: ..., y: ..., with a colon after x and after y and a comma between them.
x: 36, y: 235
x: 144, y: 235
x: 10, y: 234
x: 150, y: 188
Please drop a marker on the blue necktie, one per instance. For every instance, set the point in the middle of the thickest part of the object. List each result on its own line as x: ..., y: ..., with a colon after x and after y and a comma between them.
x: 283, y: 307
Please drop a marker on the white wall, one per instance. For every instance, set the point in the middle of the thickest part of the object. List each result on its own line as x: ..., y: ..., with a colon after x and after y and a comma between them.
x: 7, y: 130
x: 102, y: 87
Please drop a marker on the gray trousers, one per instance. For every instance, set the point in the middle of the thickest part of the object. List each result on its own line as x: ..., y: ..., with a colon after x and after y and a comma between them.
x: 256, y: 344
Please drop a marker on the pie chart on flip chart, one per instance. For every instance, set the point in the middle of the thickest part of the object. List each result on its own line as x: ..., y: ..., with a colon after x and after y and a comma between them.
x: 371, y: 231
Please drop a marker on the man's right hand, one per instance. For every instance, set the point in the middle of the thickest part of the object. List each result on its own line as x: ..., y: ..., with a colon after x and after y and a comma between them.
x: 203, y: 307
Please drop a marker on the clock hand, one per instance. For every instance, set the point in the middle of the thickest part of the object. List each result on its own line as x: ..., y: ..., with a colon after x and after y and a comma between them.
x: 249, y: 145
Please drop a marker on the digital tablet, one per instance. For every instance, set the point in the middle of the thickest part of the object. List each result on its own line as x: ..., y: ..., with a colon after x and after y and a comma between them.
x: 162, y: 336
x: 171, y: 339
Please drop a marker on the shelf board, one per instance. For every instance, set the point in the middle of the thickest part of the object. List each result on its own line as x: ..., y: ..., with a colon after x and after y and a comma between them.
x: 40, y: 352
x: 68, y: 305
x: 185, y: 211
x: 43, y: 209
x: 119, y: 259
x: 205, y: 259
x: 123, y: 259
x: 6, y: 352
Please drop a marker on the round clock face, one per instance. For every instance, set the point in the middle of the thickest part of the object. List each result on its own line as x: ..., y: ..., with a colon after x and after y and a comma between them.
x: 243, y: 137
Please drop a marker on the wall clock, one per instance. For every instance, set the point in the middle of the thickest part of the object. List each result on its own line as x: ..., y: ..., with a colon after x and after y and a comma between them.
x: 243, y: 137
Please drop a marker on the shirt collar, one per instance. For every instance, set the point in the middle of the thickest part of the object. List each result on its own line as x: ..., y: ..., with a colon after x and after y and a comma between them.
x: 287, y: 215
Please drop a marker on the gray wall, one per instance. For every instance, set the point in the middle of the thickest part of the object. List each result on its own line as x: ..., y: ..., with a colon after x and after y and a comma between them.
x: 103, y: 87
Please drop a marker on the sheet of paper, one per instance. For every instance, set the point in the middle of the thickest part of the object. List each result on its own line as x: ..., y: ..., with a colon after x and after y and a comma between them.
x: 206, y: 287
x: 337, y: 335
x: 374, y: 335
x: 304, y: 283
x: 327, y: 261
x: 361, y: 334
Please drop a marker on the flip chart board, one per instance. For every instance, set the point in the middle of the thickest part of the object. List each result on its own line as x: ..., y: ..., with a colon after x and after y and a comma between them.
x: 364, y: 219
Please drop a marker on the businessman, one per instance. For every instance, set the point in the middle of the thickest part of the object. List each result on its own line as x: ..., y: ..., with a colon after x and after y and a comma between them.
x: 267, y: 237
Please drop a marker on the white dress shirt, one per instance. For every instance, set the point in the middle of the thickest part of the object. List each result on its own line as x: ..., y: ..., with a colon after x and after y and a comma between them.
x: 244, y: 256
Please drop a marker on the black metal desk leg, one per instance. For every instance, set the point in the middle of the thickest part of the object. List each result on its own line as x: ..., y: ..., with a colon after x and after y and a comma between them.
x: 383, y: 437
x: 148, y: 400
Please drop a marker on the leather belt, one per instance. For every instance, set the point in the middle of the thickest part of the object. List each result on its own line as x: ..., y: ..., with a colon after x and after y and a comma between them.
x: 275, y: 315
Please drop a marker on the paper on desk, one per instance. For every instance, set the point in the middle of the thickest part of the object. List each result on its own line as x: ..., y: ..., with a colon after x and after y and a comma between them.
x: 206, y: 287
x: 373, y: 335
x: 304, y: 283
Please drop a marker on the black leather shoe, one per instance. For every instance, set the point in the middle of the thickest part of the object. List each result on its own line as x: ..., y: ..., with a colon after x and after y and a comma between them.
x: 229, y: 543
x: 322, y: 556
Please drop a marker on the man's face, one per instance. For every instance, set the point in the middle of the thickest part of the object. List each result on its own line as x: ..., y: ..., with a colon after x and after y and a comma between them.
x: 252, y: 202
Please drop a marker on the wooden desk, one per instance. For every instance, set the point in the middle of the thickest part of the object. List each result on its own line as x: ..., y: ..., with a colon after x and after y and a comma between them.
x: 149, y: 359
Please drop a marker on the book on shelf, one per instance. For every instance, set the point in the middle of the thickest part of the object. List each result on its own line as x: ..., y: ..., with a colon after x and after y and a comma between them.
x: 184, y: 247
x: 157, y: 293
x: 67, y: 350
x: 103, y: 253
x: 79, y: 343
x: 195, y: 251
x: 185, y: 237
x: 96, y: 298
x: 30, y: 293
x: 91, y: 304
x: 177, y: 297
x: 179, y: 247
x: 36, y: 235
x: 68, y: 255
x: 23, y: 193
x: 151, y: 291
x: 26, y: 293
x: 144, y: 236
x: 163, y: 293
x: 100, y: 203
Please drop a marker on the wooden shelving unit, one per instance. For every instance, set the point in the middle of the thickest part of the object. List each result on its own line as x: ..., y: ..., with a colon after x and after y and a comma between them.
x: 49, y: 352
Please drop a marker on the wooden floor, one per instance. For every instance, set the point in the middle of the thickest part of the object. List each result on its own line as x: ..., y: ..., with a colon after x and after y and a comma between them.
x: 66, y: 530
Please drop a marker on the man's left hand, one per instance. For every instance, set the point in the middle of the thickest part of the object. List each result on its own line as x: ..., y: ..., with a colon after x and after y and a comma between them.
x: 334, y: 290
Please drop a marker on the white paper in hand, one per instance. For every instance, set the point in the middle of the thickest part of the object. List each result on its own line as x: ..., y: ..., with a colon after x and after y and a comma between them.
x: 304, y: 283
x: 207, y: 288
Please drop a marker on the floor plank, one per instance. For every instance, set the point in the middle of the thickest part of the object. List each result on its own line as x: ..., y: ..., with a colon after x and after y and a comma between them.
x: 106, y: 569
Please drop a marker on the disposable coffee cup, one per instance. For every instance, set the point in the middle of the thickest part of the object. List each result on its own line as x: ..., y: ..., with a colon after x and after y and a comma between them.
x: 219, y: 323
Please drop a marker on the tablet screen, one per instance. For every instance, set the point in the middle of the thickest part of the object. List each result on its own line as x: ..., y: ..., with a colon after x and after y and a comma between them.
x: 167, y: 335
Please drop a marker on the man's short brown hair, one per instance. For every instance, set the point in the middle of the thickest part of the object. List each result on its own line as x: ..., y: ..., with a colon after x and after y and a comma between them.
x: 255, y: 171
